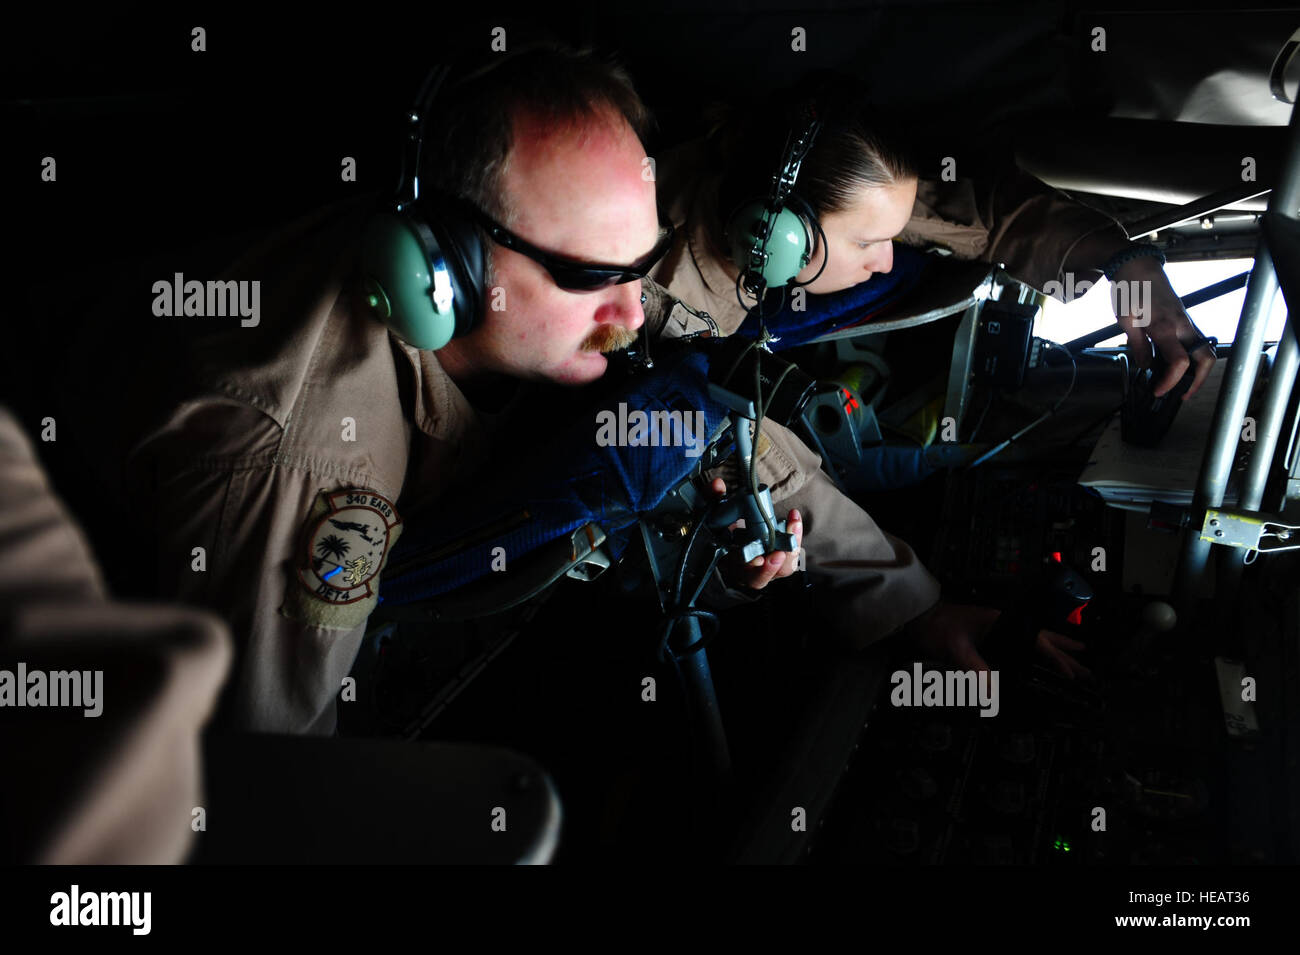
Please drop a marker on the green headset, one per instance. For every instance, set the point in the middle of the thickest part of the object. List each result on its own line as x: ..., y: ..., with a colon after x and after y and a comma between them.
x: 770, y: 237
x: 423, y: 260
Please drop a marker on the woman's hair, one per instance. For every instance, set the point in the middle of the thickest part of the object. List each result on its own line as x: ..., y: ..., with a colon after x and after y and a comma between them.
x: 854, y: 148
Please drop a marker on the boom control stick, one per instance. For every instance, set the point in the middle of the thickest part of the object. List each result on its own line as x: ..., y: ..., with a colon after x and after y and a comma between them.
x: 755, y: 509
x: 685, y: 539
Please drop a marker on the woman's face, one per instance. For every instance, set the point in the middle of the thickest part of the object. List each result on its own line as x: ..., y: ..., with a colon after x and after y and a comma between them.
x: 860, y: 238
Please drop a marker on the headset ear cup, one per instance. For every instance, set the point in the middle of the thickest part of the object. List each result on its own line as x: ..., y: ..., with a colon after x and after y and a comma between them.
x: 741, y: 232
x: 407, y: 286
x: 462, y: 242
x: 811, y: 226
x: 786, y: 250
x: 424, y: 282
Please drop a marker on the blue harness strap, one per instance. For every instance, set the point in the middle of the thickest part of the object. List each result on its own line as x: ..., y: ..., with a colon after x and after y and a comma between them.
x: 607, y: 466
x: 828, y: 313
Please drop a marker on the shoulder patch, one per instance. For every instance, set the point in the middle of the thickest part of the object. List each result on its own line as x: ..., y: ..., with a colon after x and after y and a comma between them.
x: 345, y: 546
x: 683, y: 322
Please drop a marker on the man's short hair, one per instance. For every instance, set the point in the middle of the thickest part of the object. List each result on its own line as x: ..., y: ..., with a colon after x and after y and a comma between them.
x: 469, y: 132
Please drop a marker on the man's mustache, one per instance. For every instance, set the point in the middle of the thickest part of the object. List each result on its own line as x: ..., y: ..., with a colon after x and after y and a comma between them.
x: 609, y: 338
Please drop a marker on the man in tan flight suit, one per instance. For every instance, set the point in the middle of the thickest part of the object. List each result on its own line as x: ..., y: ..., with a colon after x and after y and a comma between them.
x: 300, y: 441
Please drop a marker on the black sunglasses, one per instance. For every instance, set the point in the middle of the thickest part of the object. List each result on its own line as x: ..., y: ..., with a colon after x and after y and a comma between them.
x: 570, y: 274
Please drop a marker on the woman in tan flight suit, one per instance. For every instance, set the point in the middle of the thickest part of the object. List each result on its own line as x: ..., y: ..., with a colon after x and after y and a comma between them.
x: 865, y: 193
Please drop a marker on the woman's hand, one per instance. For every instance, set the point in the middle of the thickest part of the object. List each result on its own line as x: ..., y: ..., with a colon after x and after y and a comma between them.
x: 761, y: 571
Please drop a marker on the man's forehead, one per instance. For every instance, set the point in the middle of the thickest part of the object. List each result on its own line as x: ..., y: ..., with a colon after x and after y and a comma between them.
x: 566, y: 160
x: 535, y: 133
x: 574, y: 183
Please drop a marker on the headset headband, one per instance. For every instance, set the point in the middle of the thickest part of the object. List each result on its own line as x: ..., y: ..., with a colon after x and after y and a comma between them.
x: 796, y: 148
x: 798, y: 142
x: 417, y: 117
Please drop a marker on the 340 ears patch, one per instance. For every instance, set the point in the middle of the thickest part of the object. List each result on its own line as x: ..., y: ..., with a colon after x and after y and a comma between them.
x: 345, y: 545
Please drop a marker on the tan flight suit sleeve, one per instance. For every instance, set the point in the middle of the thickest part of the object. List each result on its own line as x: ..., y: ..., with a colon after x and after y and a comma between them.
x: 220, y: 487
x: 874, y: 581
x: 118, y: 787
x: 1012, y: 217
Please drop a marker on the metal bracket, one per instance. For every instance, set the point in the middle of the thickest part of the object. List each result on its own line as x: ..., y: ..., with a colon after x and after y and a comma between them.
x: 590, y: 566
x: 1248, y: 530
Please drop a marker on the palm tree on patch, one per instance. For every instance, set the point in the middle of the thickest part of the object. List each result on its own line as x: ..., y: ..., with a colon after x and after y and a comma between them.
x: 333, y: 546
